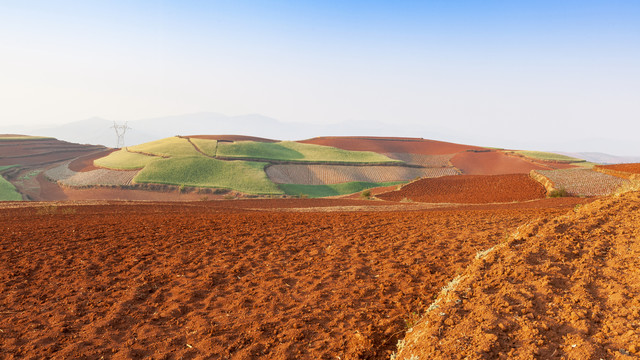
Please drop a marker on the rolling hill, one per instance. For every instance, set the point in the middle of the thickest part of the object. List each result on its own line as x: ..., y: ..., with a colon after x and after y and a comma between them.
x: 214, y: 166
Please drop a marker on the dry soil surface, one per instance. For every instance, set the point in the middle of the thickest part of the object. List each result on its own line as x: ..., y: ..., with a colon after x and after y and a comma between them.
x: 214, y: 280
x: 561, y: 288
x: 472, y: 189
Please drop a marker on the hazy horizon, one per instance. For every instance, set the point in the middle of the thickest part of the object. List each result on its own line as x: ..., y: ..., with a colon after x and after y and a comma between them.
x: 486, y: 72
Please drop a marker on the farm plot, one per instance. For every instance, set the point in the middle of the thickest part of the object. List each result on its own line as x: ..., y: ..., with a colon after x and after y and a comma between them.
x: 391, y: 145
x: 334, y: 174
x: 294, y: 151
x: 207, y: 146
x: 423, y: 160
x: 65, y: 176
x: 627, y: 171
x: 583, y: 182
x: 171, y: 146
x: 470, y: 189
x: 100, y: 177
x: 493, y: 163
x: 125, y: 160
x: 199, y: 171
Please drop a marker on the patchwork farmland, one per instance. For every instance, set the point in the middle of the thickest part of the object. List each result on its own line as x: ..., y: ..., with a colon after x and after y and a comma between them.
x: 424, y: 249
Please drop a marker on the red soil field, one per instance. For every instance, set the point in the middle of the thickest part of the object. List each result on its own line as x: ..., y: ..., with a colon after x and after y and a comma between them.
x: 471, y: 189
x: 391, y: 145
x: 198, y: 280
x: 231, y: 138
x: 629, y: 168
x: 41, y: 151
x: 493, y: 163
x: 561, y: 288
x: 85, y: 163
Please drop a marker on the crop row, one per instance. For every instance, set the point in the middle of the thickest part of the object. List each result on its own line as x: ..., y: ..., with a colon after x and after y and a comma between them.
x: 65, y: 176
x: 334, y: 174
x: 583, y: 182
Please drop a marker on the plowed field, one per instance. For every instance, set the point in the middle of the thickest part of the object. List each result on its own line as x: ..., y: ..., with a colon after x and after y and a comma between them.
x: 471, y: 189
x: 563, y: 288
x: 494, y: 163
x: 629, y: 168
x: 207, y: 280
x: 391, y: 145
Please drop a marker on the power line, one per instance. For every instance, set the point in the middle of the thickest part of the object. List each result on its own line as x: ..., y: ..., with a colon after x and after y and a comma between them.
x: 120, y: 131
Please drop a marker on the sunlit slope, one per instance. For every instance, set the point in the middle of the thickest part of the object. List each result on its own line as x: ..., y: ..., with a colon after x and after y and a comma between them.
x: 234, y: 165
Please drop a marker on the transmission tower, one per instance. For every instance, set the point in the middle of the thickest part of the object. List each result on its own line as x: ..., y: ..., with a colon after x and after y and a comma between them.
x: 120, y: 131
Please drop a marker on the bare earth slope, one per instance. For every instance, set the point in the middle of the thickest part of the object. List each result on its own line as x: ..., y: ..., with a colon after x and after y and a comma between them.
x: 562, y: 288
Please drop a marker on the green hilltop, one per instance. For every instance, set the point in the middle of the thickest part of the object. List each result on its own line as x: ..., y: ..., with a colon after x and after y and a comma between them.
x: 235, y: 165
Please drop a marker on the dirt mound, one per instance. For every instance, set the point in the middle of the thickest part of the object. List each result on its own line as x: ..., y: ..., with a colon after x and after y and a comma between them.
x: 199, y: 281
x: 231, y: 138
x: 391, y: 145
x: 471, y: 189
x: 560, y: 288
x: 493, y: 163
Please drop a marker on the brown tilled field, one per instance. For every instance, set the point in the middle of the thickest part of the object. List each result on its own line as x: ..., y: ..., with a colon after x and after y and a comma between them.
x: 273, y: 279
x: 629, y: 168
x: 470, y: 189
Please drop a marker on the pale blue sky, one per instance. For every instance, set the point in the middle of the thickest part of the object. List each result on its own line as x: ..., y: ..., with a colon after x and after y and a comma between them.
x: 490, y: 72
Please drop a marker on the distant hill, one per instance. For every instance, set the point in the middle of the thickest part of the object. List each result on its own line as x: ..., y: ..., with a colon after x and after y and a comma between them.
x: 601, y: 158
x: 99, y: 131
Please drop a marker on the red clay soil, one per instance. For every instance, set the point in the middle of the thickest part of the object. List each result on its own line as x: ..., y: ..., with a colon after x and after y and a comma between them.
x: 85, y: 163
x: 41, y: 151
x: 493, y: 163
x: 391, y: 145
x: 194, y: 281
x: 471, y: 189
x: 628, y: 168
x: 232, y: 138
x: 562, y: 288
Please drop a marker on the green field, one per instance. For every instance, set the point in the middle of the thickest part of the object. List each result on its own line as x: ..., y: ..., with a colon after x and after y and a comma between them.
x: 24, y: 137
x: 208, y: 147
x: 244, y: 176
x: 124, y: 160
x: 316, y: 191
x: 171, y: 146
x: 541, y: 155
x: 8, y: 192
x: 293, y: 151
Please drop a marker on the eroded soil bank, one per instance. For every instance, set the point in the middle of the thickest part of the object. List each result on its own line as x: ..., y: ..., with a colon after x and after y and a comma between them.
x: 562, y: 288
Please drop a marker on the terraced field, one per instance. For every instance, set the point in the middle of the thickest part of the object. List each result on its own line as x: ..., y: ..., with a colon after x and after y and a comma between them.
x: 294, y: 151
x: 318, y: 191
x: 222, y: 163
x: 583, y: 182
x: 244, y: 176
x: 432, y: 161
x: 334, y: 174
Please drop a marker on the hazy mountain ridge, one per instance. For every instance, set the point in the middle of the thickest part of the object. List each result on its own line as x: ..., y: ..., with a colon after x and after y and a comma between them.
x: 100, y: 131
